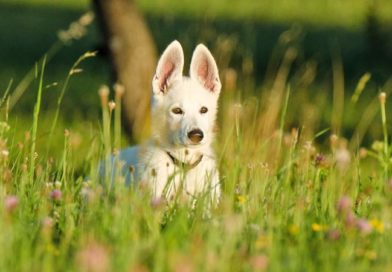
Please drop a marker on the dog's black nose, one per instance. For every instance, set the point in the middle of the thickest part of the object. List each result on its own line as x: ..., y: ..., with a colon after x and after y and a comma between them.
x: 195, y: 135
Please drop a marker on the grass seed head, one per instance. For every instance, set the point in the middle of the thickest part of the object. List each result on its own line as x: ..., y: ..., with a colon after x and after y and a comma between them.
x: 111, y: 105
x: 119, y: 90
x: 333, y: 139
x: 104, y: 94
x: 383, y: 97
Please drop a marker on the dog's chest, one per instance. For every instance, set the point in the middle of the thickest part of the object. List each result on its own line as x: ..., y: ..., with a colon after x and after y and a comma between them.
x: 166, y: 177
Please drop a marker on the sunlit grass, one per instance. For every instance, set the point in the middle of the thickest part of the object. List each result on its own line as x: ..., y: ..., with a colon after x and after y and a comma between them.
x: 298, y: 193
x: 348, y: 13
x: 288, y: 203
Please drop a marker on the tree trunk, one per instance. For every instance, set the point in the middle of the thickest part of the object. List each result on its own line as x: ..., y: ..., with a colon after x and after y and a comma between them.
x: 133, y: 58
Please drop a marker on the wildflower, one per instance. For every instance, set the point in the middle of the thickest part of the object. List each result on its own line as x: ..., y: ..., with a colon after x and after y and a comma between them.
x: 364, y: 226
x: 262, y: 241
x: 344, y: 205
x: 66, y: 133
x: 319, y: 159
x: 158, y: 202
x: 56, y: 195
x: 259, y: 262
x: 47, y: 224
x: 350, y: 220
x: 138, y: 268
x: 241, y: 199
x: 181, y: 263
x: 93, y: 257
x: 333, y: 235
x: 377, y: 225
x: 10, y: 203
x: 317, y: 227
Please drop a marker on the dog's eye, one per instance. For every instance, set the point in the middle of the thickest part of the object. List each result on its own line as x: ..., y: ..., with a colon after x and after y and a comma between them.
x: 203, y: 110
x: 177, y: 111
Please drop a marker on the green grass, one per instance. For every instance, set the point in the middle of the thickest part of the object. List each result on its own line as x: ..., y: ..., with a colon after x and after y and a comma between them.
x: 296, y: 197
x: 288, y: 203
x: 348, y: 13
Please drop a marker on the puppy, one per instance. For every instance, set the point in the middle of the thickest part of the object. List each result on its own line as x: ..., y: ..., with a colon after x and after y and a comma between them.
x: 179, y: 158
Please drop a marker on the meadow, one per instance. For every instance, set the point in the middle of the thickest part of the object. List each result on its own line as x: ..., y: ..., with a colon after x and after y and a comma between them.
x: 304, y: 148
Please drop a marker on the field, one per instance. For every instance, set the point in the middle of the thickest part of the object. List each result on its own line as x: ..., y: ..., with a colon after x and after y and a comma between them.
x: 304, y: 143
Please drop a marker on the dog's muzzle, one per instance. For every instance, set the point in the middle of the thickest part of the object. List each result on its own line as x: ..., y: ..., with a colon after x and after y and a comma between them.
x: 195, y: 135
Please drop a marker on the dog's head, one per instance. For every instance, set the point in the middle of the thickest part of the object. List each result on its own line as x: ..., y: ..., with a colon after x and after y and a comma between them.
x: 184, y: 108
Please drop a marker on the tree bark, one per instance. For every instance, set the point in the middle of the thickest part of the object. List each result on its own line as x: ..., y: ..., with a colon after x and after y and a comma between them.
x: 133, y: 57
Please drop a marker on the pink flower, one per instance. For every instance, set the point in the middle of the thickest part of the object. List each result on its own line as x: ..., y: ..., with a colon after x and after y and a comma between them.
x: 259, y: 262
x: 350, y: 220
x: 319, y: 159
x: 158, y: 202
x: 364, y: 226
x: 47, y: 222
x: 344, y: 205
x: 56, y: 195
x: 333, y: 235
x: 94, y: 257
x: 11, y: 202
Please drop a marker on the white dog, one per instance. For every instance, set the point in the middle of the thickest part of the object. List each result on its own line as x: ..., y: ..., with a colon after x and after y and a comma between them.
x: 179, y: 158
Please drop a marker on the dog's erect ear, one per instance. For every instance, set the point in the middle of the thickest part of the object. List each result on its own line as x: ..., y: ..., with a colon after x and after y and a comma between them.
x: 169, y: 68
x: 204, y: 69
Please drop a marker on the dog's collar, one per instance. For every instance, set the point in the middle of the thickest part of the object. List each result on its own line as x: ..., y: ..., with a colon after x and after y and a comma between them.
x: 183, y: 165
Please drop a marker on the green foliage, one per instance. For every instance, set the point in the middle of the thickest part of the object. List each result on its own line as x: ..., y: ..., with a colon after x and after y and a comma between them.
x: 287, y: 205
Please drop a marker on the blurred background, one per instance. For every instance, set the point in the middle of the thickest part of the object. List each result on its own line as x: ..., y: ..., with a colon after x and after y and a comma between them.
x: 334, y: 55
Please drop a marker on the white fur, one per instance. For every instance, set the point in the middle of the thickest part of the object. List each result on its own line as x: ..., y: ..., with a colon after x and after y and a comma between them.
x: 171, y: 89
